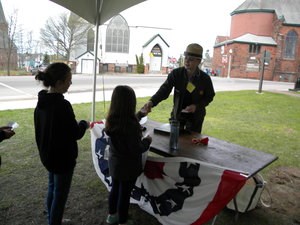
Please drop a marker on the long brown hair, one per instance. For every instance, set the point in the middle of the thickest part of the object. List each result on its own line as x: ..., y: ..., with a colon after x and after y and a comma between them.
x: 122, y: 109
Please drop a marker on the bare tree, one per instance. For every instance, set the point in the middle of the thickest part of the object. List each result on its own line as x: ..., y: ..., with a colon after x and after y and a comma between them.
x: 64, y: 34
x: 9, y: 41
x: 28, y: 48
x: 32, y: 48
x: 20, y: 45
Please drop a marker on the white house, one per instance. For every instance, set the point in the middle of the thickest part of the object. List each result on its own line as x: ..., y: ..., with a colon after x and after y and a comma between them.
x: 85, y: 63
x: 119, y: 44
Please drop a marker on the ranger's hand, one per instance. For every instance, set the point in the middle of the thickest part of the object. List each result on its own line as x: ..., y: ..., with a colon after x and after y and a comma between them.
x: 147, y: 108
x: 190, y: 108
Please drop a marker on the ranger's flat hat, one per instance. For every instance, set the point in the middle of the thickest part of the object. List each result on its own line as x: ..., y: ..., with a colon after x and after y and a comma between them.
x: 194, y: 50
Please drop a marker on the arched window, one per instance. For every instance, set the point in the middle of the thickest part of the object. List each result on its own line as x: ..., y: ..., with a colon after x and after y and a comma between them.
x: 117, y: 35
x: 156, y: 51
x: 290, y: 45
x: 90, y: 40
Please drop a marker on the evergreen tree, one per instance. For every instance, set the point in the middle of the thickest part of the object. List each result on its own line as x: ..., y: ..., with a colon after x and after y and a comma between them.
x: 46, y: 59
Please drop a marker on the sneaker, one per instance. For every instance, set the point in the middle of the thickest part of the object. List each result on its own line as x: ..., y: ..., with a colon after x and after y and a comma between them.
x: 112, y: 219
x: 66, y: 222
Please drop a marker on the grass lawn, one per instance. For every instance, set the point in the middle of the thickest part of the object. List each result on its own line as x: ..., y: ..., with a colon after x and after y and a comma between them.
x: 268, y: 122
x: 20, y: 72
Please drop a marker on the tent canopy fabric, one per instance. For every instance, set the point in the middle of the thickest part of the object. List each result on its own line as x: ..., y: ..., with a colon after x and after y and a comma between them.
x: 87, y: 9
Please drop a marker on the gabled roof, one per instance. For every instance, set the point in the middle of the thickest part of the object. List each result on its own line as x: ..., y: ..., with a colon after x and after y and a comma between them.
x: 151, y: 39
x: 2, y: 16
x: 250, y: 39
x: 288, y: 10
x: 87, y: 52
x: 3, y: 31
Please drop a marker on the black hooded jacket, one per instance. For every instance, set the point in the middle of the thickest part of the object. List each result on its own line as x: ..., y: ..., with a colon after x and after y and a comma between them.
x: 57, y: 132
x: 125, y: 153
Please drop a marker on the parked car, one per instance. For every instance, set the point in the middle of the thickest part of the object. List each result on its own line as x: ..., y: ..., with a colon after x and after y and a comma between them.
x: 41, y: 67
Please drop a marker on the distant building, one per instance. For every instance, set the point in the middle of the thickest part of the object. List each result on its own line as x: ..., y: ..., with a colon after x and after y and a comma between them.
x: 4, y: 44
x: 261, y: 27
x: 119, y: 45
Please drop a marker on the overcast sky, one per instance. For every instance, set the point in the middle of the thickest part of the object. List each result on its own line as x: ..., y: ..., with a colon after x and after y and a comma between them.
x: 197, y: 21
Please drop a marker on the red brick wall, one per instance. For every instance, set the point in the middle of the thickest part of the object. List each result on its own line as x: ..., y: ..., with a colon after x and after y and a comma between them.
x: 279, y: 69
x: 240, y: 57
x: 111, y: 68
x: 146, y: 70
x: 13, y: 59
x: 287, y: 69
x: 4, y: 50
x: 254, y: 23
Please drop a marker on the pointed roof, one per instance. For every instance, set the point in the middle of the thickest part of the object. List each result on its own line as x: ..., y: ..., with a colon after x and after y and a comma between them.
x: 288, y: 10
x: 2, y: 16
x: 86, y: 52
x: 250, y: 39
x: 3, y: 29
x: 151, y: 39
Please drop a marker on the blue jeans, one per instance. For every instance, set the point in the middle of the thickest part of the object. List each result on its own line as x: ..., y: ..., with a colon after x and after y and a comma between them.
x: 58, y: 190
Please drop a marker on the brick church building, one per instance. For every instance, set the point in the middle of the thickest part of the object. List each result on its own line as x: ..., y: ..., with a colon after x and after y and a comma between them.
x: 264, y: 39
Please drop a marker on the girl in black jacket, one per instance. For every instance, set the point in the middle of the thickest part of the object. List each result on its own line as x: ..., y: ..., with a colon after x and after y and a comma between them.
x: 56, y: 134
x: 126, y: 148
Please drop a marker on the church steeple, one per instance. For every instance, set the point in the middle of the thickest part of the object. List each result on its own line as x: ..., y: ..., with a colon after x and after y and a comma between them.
x: 2, y: 16
x: 3, y: 29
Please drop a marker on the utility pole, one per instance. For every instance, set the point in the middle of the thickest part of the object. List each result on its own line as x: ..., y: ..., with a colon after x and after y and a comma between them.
x: 265, y: 59
x: 229, y: 63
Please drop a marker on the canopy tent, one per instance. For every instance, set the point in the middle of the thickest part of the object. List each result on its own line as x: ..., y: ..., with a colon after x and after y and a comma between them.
x: 96, y: 12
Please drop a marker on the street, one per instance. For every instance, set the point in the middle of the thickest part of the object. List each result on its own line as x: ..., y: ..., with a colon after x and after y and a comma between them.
x: 19, y: 92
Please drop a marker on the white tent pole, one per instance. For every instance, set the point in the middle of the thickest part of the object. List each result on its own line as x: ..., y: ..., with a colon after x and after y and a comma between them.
x: 96, y: 57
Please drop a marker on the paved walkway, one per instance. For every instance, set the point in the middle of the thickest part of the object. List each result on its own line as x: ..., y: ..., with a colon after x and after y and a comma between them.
x: 77, y: 97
